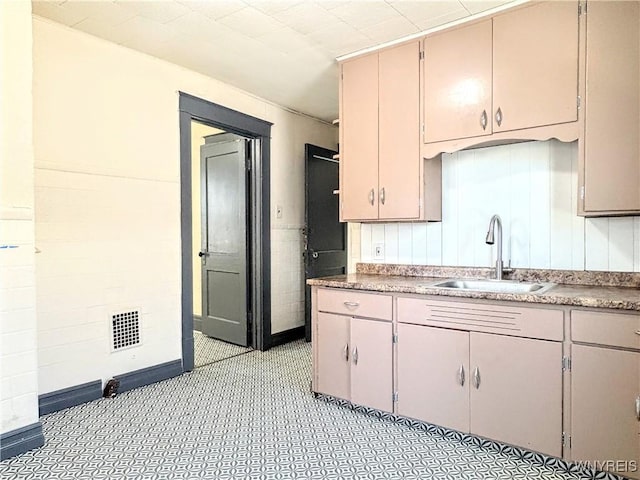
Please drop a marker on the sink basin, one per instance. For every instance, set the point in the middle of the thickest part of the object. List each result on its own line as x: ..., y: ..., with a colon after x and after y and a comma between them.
x: 495, y: 286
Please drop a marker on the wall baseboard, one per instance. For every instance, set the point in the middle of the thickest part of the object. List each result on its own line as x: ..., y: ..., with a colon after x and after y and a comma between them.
x: 197, y: 323
x: 149, y: 375
x: 21, y: 440
x: 69, y: 397
x: 287, y: 336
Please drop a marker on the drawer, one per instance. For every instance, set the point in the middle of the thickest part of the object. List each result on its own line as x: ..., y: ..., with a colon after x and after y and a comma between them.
x: 606, y: 328
x: 482, y: 317
x: 355, y: 303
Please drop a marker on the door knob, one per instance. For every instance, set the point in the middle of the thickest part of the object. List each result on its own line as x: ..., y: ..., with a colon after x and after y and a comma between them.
x: 202, y: 254
x: 314, y: 255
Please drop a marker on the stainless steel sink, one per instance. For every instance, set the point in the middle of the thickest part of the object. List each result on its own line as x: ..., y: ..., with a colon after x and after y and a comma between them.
x: 495, y: 286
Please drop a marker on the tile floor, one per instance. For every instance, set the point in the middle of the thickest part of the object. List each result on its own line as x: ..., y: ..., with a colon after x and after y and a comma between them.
x: 208, y: 350
x: 251, y: 416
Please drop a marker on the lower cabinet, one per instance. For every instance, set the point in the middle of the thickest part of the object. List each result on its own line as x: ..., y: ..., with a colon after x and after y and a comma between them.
x: 490, y: 369
x: 516, y: 391
x: 500, y: 387
x: 433, y: 375
x: 331, y: 362
x: 605, y: 391
x: 354, y: 360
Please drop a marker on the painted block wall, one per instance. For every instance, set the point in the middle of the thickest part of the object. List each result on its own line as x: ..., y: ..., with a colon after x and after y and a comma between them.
x: 532, y: 186
x: 18, y: 350
x: 108, y: 197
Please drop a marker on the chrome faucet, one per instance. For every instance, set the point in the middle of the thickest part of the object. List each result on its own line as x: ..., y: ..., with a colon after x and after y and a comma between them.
x: 491, y: 240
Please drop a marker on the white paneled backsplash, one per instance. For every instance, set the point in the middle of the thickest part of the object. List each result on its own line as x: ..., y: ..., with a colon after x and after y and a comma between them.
x: 533, y: 187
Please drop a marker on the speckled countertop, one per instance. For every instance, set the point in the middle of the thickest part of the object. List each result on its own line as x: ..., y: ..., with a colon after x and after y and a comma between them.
x: 616, y: 290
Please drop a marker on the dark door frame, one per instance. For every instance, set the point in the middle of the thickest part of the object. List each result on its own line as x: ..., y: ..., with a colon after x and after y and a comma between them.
x: 194, y: 108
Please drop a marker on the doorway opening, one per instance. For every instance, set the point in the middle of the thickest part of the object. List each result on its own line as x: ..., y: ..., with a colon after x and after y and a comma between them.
x: 221, y: 212
x: 224, y: 183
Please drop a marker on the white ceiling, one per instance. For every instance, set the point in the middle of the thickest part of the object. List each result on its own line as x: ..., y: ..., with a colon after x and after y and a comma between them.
x: 280, y: 50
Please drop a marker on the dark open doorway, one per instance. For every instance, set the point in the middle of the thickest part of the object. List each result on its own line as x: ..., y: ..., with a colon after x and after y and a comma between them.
x: 259, y: 267
x: 325, y: 238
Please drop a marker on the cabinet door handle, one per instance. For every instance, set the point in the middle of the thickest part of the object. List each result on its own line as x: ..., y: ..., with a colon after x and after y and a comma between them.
x: 351, y: 304
x: 499, y: 116
x: 372, y: 196
x: 461, y: 376
x: 476, y: 378
x: 346, y: 352
x: 638, y: 407
x: 483, y: 120
x: 382, y: 196
x: 355, y: 356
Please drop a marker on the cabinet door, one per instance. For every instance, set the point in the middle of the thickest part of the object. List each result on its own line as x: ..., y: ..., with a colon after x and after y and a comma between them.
x: 433, y: 375
x: 371, y: 357
x: 457, y: 83
x: 332, y: 362
x: 359, y: 152
x: 605, y: 385
x: 518, y: 398
x: 535, y: 66
x: 399, y: 133
x: 612, y: 108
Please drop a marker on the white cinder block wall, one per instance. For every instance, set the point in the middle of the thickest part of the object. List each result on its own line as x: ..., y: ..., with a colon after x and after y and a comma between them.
x: 532, y: 186
x: 18, y: 351
x: 108, y: 198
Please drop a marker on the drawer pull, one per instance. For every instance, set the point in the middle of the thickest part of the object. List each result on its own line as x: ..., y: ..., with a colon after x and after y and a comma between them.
x: 351, y: 304
x: 476, y: 378
x: 355, y: 356
x: 638, y: 407
x: 461, y: 376
x: 637, y: 332
x: 346, y: 352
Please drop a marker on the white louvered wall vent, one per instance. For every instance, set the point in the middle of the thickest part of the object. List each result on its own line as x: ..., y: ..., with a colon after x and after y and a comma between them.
x: 125, y: 330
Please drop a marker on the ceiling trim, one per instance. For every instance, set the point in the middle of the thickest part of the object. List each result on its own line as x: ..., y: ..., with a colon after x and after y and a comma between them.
x: 423, y: 33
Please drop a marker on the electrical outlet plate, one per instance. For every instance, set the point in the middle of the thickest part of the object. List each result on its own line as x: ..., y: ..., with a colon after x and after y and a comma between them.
x: 378, y: 251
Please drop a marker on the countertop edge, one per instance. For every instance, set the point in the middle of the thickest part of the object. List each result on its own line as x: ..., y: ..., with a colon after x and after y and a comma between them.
x: 547, y: 298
